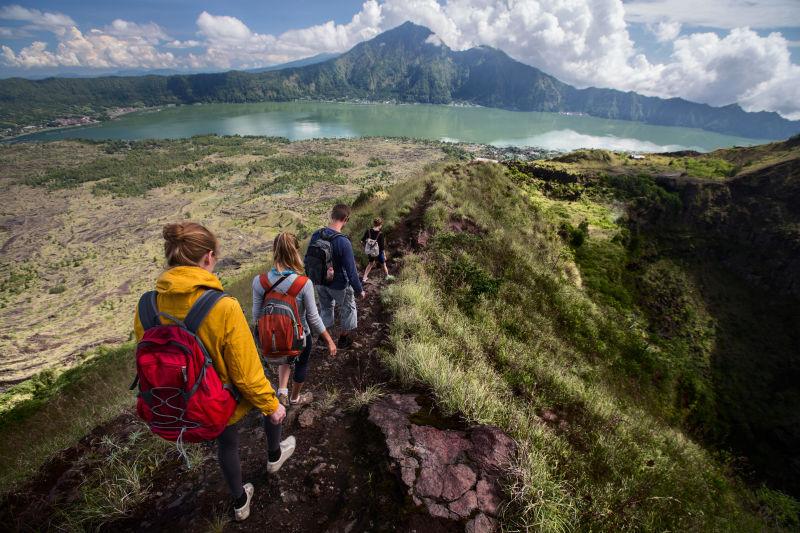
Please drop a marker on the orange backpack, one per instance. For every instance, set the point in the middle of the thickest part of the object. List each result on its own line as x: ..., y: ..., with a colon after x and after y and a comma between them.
x: 280, y: 330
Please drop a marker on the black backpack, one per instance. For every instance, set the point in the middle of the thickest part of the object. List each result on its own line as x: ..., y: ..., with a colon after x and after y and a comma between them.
x: 319, y: 259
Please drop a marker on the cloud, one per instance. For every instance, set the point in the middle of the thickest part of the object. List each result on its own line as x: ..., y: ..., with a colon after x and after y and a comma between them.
x: 121, y: 44
x: 724, y: 14
x: 183, y: 44
x: 739, y: 67
x: 434, y: 40
x: 665, y: 31
x: 150, y: 33
x: 230, y: 42
x: 38, y: 20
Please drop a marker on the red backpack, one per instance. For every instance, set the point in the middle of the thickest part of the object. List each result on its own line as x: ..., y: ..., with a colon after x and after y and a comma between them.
x: 180, y: 394
x: 280, y: 330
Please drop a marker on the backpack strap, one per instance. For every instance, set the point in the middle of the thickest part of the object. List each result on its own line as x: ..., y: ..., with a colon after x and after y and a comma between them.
x: 267, y: 287
x: 201, y: 308
x: 148, y: 312
x: 330, y: 238
x: 297, y: 286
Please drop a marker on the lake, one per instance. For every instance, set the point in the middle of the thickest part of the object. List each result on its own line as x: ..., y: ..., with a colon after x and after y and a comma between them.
x: 304, y: 120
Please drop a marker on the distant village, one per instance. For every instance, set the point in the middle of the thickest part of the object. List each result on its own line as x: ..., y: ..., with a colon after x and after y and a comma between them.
x: 66, y: 122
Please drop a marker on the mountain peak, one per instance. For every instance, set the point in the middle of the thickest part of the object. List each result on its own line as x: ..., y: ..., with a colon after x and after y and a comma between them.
x: 406, y: 32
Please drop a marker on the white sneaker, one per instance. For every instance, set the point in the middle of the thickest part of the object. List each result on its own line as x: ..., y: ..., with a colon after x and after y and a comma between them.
x: 287, y: 449
x: 243, y: 512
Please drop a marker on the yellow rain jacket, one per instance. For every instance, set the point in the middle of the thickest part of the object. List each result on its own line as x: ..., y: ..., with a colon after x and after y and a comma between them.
x: 224, y: 332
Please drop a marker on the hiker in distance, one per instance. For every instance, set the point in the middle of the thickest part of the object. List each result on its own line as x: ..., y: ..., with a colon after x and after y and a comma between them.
x: 331, y: 266
x: 171, y: 398
x: 375, y: 247
x: 288, y: 335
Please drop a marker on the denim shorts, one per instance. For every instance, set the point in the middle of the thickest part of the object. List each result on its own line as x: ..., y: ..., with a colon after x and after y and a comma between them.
x: 341, y: 302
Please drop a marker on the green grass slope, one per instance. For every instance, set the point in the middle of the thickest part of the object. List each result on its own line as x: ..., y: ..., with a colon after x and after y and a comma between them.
x: 493, y: 316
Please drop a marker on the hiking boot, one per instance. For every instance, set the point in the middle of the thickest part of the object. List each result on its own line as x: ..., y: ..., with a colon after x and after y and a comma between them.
x: 344, y: 342
x: 283, y: 399
x: 287, y: 449
x: 389, y: 277
x: 302, y: 399
x: 243, y: 512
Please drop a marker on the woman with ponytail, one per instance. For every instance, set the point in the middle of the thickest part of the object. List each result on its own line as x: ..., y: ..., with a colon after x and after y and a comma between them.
x: 288, y: 265
x: 192, y: 252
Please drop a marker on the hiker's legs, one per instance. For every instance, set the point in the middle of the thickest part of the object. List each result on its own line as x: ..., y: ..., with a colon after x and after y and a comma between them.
x: 273, y: 434
x: 228, y: 455
x: 347, y: 309
x: 284, y: 371
x: 382, y: 261
x: 327, y: 303
x: 368, y: 270
x: 301, y: 369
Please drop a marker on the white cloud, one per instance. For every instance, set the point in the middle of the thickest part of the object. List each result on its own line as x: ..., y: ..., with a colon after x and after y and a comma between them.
x: 739, y: 67
x: 183, y: 44
x: 725, y: 14
x: 38, y: 20
x: 223, y: 28
x: 230, y: 43
x: 434, y: 40
x: 665, y: 31
x: 150, y: 33
x: 121, y: 44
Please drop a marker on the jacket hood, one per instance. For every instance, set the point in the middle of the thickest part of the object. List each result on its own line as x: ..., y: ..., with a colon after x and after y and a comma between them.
x: 186, y: 280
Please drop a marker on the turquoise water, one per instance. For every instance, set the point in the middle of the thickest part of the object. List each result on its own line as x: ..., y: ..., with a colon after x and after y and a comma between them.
x: 304, y: 120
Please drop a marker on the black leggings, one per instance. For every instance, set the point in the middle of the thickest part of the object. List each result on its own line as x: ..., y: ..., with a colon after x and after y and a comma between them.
x: 228, y: 452
x: 301, y: 363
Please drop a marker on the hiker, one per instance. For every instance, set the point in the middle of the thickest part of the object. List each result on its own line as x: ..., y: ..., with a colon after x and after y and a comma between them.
x: 192, y: 253
x: 374, y: 246
x: 330, y: 264
x: 287, y: 277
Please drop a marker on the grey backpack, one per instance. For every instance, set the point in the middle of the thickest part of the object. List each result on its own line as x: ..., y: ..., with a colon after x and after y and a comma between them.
x: 371, y: 246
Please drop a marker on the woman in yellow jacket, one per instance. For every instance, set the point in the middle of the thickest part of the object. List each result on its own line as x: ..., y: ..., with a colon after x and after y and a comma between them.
x: 191, y: 252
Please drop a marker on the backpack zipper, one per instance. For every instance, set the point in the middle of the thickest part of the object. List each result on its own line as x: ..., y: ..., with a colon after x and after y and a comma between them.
x: 287, y: 308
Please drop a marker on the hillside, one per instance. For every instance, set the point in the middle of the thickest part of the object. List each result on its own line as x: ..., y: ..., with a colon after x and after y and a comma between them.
x: 605, y: 313
x: 401, y: 65
x: 83, y: 218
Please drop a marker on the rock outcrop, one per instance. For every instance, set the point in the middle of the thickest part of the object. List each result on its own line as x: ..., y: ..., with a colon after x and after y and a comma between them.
x: 454, y: 474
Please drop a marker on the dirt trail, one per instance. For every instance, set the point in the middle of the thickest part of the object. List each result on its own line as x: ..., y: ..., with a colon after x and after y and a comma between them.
x: 339, y: 479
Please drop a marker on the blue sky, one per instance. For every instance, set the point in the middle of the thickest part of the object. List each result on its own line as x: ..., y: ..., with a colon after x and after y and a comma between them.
x: 714, y: 51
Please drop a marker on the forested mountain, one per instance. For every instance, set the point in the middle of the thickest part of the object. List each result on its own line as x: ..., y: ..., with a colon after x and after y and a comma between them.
x: 404, y: 64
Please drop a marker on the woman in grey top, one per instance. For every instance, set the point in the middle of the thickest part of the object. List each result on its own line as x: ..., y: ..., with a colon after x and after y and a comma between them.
x: 289, y: 264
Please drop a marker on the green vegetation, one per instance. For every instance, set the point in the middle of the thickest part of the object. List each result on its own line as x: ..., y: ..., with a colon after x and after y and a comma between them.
x: 590, y: 393
x: 119, y: 474
x: 376, y: 162
x: 298, y: 172
x: 707, y: 167
x: 456, y: 152
x: 134, y: 167
x: 58, y: 289
x: 15, y: 278
x: 59, y: 410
